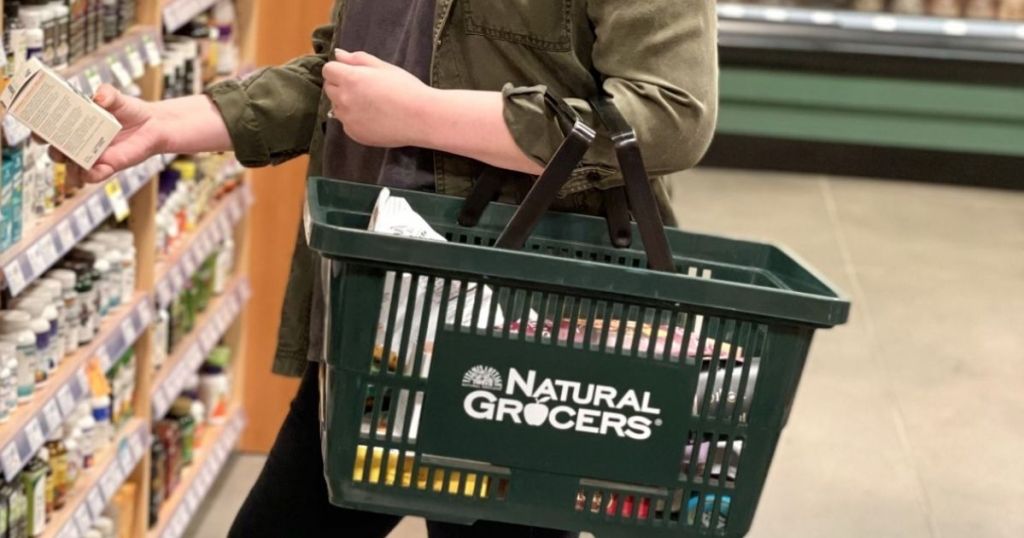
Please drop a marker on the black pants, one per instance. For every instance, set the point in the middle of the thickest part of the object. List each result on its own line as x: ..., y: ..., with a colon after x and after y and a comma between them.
x: 290, y: 495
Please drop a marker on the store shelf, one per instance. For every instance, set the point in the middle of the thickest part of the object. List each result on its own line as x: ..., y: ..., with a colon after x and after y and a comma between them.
x: 178, y: 509
x: 177, y: 13
x: 49, y: 240
x: 772, y: 36
x: 51, y: 404
x: 191, y: 351
x: 219, y: 223
x: 119, y: 62
x: 881, y: 23
x: 98, y: 485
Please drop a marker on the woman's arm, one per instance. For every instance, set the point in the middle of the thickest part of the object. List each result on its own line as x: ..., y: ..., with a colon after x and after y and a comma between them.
x: 184, y: 125
x: 382, y: 105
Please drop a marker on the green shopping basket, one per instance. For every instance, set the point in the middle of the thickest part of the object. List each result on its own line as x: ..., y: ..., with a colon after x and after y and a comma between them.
x: 564, y: 384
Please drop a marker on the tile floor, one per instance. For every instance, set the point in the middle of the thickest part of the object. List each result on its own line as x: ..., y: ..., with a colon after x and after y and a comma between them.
x: 908, y: 422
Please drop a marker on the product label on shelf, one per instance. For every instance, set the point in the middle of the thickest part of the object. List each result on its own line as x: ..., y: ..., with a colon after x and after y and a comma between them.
x: 163, y: 292
x: 34, y: 434
x: 65, y: 400
x: 135, y: 66
x: 48, y: 250
x: 15, y: 279
x: 129, y: 332
x: 209, y: 337
x: 15, y: 132
x: 103, y: 357
x: 121, y: 75
x: 126, y: 459
x: 135, y: 445
x: 82, y: 220
x: 51, y: 415
x: 82, y: 519
x: 96, y: 211
x: 35, y: 259
x: 145, y: 313
x: 177, y: 280
x: 93, y: 78
x: 65, y: 235
x: 95, y: 501
x: 152, y: 51
x: 11, y: 460
x: 192, y: 500
x: 190, y: 262
x: 117, y: 200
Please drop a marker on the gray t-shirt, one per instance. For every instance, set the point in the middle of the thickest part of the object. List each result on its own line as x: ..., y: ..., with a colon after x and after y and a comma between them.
x: 398, y: 32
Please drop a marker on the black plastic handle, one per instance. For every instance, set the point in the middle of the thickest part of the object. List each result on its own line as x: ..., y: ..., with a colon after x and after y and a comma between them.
x: 638, y: 186
x: 637, y: 196
x: 545, y: 189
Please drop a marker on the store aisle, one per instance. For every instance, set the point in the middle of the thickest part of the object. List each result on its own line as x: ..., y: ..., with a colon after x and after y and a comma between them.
x: 902, y: 425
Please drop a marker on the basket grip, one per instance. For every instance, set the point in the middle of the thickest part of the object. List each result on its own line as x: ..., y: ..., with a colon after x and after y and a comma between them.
x: 547, y: 186
x: 641, y: 198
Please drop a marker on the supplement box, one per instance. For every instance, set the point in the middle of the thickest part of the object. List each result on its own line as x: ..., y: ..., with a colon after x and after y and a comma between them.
x: 56, y: 112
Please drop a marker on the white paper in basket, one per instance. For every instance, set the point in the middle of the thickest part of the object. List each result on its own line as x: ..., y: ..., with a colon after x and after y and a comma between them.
x: 393, y: 215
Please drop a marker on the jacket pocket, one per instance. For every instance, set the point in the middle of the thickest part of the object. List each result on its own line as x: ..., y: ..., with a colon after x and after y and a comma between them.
x: 540, y: 24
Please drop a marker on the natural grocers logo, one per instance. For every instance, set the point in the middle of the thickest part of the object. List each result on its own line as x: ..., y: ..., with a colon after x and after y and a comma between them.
x: 483, y: 377
x: 558, y: 403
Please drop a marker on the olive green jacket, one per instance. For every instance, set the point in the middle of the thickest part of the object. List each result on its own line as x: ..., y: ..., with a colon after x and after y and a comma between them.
x: 657, y: 58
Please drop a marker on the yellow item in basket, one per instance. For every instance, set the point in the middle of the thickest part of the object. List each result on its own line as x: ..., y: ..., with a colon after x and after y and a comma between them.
x: 423, y: 478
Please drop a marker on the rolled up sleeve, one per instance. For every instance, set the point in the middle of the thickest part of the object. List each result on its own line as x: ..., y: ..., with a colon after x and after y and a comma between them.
x: 271, y: 115
x: 658, y: 60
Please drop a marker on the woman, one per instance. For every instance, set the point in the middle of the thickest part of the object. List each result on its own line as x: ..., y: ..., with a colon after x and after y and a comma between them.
x: 424, y: 94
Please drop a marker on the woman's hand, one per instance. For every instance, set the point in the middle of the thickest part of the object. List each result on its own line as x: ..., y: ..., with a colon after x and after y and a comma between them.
x: 375, y: 101
x: 140, y: 137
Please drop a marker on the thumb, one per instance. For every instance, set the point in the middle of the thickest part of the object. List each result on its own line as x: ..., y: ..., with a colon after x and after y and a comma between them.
x: 359, y: 58
x: 99, y: 172
x: 127, y: 110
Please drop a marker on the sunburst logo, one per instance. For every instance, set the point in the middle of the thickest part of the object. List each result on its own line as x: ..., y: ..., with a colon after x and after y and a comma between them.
x: 483, y: 377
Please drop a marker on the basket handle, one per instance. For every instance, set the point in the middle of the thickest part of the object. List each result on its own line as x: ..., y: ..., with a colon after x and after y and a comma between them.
x: 639, y: 193
x: 636, y: 196
x: 558, y: 171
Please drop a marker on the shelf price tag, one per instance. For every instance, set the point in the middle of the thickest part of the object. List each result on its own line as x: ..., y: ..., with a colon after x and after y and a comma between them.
x: 48, y: 249
x: 145, y: 315
x: 15, y: 279
x: 35, y: 259
x: 190, y: 262
x: 124, y: 79
x: 192, y: 500
x: 177, y: 280
x: 52, y: 415
x: 209, y: 337
x: 163, y: 292
x: 95, y: 502
x: 93, y: 79
x: 135, y: 65
x: 126, y: 459
x: 11, y: 460
x: 152, y: 51
x: 65, y: 401
x: 117, y: 199
x: 96, y: 211
x: 103, y: 356
x: 82, y: 520
x: 34, y: 433
x: 135, y: 445
x: 65, y: 236
x: 82, y: 220
x: 108, y: 483
x: 129, y: 332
